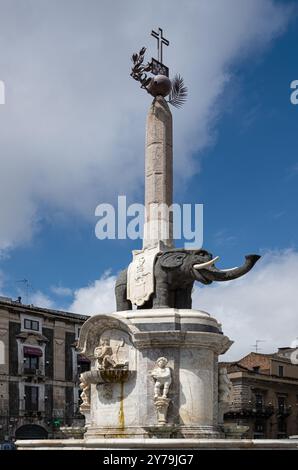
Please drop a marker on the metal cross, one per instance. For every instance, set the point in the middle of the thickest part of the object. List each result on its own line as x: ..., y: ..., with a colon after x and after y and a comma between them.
x: 160, y: 41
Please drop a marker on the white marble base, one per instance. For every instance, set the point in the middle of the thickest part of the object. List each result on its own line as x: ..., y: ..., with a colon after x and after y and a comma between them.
x: 190, y: 340
x: 162, y: 444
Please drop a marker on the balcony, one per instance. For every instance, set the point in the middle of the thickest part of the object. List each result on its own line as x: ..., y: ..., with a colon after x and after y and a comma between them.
x: 245, y: 410
x: 31, y: 372
x: 265, y: 411
x: 31, y: 413
x: 28, y: 371
x: 284, y: 411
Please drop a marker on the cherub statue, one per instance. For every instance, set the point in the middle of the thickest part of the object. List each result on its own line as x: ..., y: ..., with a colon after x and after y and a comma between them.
x: 162, y: 376
x: 104, y: 355
x: 225, y: 386
x: 85, y: 395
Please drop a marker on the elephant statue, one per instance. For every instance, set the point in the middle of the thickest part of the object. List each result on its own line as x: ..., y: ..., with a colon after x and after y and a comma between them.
x: 175, y: 272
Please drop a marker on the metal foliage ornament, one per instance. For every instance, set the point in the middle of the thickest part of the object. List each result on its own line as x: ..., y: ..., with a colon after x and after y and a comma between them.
x: 138, y: 69
x: 178, y: 94
x: 177, y: 90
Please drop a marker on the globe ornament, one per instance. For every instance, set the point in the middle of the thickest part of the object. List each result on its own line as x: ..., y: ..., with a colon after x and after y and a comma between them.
x: 160, y: 85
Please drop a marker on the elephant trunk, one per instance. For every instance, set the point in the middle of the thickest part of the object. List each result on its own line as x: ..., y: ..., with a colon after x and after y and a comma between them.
x: 214, y: 274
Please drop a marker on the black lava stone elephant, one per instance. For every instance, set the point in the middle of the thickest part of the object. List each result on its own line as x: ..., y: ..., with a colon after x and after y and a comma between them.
x: 175, y: 272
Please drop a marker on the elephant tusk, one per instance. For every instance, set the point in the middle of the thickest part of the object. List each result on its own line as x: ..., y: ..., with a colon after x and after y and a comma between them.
x: 230, y: 269
x: 205, y: 265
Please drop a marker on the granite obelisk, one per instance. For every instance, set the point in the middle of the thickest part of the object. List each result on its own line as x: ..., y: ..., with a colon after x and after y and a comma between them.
x: 158, y: 227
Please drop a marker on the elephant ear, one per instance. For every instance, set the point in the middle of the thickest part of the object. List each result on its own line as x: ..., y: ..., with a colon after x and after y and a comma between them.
x: 172, y: 259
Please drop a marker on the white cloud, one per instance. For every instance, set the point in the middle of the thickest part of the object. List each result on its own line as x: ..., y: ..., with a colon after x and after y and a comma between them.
x: 72, y: 128
x: 98, y: 297
x: 39, y: 299
x: 61, y: 291
x: 261, y: 305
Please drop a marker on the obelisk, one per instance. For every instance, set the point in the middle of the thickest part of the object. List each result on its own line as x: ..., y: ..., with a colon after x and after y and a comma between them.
x: 158, y: 227
x: 158, y: 221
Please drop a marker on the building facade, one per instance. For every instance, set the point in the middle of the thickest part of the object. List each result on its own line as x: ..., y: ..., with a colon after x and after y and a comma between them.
x: 265, y: 394
x: 39, y: 369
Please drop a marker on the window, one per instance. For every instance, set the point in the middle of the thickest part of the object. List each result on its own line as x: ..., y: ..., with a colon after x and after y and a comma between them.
x: 280, y: 371
x: 259, y: 430
x: 259, y: 400
x: 83, y: 364
x: 281, y: 404
x: 31, y: 398
x: 259, y: 427
x: 31, y: 325
x: 77, y: 331
x: 31, y: 359
x: 281, y: 429
x: 80, y: 401
x: 256, y: 369
x: 31, y: 363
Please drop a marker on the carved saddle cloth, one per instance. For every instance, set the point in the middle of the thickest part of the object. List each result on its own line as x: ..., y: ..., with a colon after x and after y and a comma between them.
x: 140, y: 275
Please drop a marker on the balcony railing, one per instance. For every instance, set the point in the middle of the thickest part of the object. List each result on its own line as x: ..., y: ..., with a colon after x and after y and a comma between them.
x: 32, y: 412
x: 29, y: 372
x: 284, y: 411
x: 250, y: 409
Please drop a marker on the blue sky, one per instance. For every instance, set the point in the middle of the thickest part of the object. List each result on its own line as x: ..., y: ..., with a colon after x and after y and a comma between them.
x: 241, y: 158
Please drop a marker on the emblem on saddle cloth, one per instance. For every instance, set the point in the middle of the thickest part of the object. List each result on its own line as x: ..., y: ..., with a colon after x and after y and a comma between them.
x: 140, y: 275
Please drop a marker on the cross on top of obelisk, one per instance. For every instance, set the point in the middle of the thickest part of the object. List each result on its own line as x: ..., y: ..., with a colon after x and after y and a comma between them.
x: 160, y: 41
x: 158, y: 68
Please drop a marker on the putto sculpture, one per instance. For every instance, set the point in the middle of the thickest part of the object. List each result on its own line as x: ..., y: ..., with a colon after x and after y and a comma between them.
x: 162, y: 376
x: 107, y: 357
x: 225, y: 392
x: 225, y: 386
x: 104, y: 355
x: 163, y: 379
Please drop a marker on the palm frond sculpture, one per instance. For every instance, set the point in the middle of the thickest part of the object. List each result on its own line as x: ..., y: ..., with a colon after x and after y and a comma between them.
x: 178, y: 94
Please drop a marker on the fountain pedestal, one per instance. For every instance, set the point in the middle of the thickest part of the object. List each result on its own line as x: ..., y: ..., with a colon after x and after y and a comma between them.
x: 161, y: 376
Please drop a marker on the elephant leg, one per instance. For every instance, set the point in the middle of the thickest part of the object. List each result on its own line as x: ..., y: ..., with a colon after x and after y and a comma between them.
x: 183, y: 298
x: 161, y: 295
x: 189, y: 297
x: 122, y: 302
